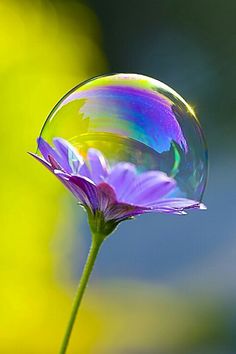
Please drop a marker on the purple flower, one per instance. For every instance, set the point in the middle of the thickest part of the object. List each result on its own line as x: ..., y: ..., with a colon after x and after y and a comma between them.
x: 111, y: 194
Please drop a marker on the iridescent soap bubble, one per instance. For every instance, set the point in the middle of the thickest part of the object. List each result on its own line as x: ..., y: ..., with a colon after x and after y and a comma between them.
x: 134, y: 118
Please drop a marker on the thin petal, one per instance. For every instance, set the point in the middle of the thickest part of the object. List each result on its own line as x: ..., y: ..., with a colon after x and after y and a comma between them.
x: 55, y: 165
x: 42, y: 160
x: 98, y: 165
x: 84, y: 171
x: 122, y: 178
x: 69, y: 157
x: 74, y: 189
x: 177, y: 205
x: 106, y: 196
x: 151, y: 186
x: 47, y: 150
x: 88, y: 188
x: 63, y: 177
x: 122, y: 211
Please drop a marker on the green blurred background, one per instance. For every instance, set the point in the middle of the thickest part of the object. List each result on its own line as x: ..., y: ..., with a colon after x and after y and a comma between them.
x: 163, y: 284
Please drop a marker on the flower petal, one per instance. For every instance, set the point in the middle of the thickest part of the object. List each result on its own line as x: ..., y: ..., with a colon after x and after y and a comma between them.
x: 42, y: 160
x: 177, y: 205
x: 47, y: 150
x: 70, y: 159
x: 89, y: 189
x: 98, y: 165
x: 84, y: 171
x: 75, y: 190
x: 64, y: 178
x: 106, y: 196
x: 122, y: 178
x: 121, y: 211
x: 150, y: 187
x: 54, y: 164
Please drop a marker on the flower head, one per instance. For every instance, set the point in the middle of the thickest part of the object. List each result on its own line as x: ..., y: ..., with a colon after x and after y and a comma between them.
x: 111, y: 194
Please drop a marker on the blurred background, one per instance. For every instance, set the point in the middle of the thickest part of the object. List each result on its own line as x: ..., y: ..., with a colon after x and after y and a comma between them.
x: 162, y: 284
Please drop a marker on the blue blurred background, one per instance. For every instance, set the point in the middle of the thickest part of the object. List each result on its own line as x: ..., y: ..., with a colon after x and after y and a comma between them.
x: 162, y: 284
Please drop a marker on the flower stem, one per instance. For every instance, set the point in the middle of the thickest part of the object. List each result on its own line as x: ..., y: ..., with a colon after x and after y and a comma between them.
x: 93, y: 252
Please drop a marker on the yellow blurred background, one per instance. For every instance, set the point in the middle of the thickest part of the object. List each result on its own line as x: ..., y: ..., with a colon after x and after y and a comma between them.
x: 46, y: 48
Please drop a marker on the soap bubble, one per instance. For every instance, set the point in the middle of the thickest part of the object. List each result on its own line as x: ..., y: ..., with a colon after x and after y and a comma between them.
x: 134, y: 118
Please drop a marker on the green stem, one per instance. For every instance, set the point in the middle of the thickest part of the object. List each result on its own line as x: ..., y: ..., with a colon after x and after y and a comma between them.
x: 93, y: 252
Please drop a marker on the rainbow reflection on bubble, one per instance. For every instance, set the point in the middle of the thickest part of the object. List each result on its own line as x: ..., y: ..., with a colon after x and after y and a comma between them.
x: 134, y: 118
